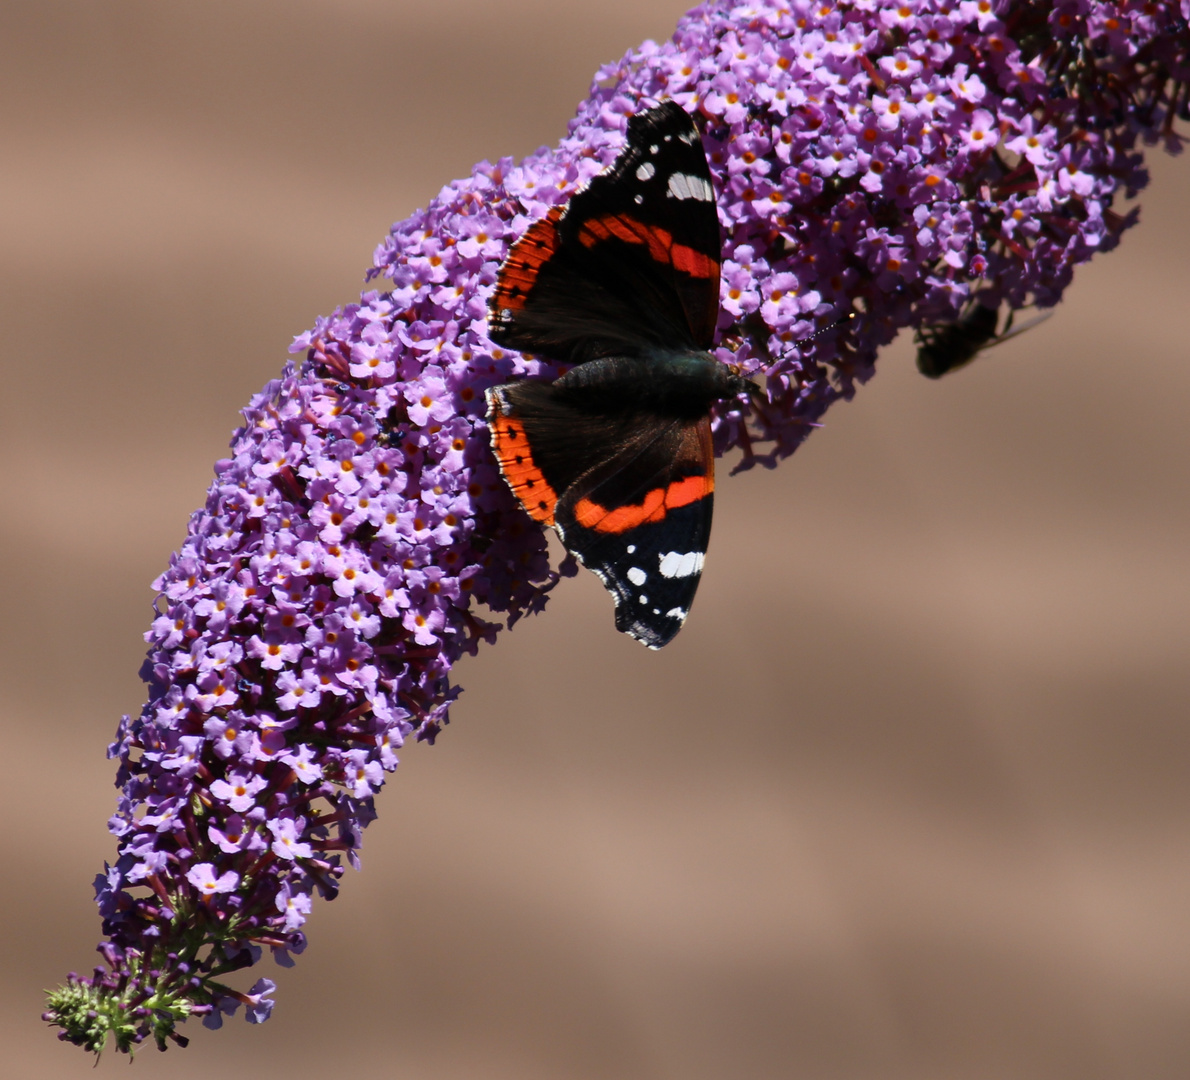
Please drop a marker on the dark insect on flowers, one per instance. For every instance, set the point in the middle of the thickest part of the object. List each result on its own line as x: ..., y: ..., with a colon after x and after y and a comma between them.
x: 946, y: 347
x: 616, y: 455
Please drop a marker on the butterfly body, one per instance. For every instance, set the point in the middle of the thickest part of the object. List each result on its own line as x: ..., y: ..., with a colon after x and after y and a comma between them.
x: 677, y: 385
x: 616, y: 454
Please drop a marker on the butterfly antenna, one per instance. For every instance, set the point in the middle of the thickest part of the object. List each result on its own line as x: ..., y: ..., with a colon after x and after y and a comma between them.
x: 825, y: 329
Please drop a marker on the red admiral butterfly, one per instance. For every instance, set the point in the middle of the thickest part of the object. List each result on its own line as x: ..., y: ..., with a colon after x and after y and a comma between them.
x: 616, y: 455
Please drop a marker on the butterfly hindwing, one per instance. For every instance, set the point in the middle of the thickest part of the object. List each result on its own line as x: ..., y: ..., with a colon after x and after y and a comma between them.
x: 543, y: 442
x: 631, y: 496
x: 632, y: 261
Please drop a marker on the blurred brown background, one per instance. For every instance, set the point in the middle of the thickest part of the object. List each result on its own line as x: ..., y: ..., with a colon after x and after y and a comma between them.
x: 906, y: 799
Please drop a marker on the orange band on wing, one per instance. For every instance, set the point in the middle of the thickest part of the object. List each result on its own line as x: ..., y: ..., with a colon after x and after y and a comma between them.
x: 691, y: 489
x: 660, y: 243
x: 528, y: 255
x: 651, y: 509
x: 694, y: 263
x: 524, y: 477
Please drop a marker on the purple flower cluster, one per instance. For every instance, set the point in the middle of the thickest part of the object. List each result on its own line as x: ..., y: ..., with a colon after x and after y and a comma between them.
x: 900, y: 160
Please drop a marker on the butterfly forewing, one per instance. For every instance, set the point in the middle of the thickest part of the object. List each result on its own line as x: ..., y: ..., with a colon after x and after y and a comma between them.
x: 641, y: 520
x: 632, y: 261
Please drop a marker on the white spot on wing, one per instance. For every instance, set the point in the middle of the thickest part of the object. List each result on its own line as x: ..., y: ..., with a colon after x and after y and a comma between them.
x: 676, y: 564
x: 642, y: 599
x: 676, y: 613
x: 638, y: 199
x: 688, y: 137
x: 631, y: 549
x: 637, y: 576
x: 678, y: 188
x: 685, y: 186
x: 646, y: 171
x: 653, y: 149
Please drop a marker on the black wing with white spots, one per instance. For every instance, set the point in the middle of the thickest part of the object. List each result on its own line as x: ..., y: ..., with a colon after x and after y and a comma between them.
x: 641, y: 520
x: 631, y: 263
